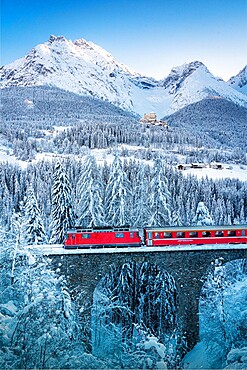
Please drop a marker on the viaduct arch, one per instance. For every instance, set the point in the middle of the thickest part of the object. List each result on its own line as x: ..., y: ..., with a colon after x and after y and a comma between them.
x: 189, y: 269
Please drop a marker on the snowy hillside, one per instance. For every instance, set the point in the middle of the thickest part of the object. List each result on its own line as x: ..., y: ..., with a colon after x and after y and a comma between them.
x: 221, y: 120
x: 38, y: 120
x: 239, y: 82
x: 86, y: 69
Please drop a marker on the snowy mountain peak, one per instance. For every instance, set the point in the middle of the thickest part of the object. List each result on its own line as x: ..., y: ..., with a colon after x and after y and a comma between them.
x: 81, y: 67
x: 239, y: 82
x: 178, y: 75
x: 53, y: 38
x: 85, y: 68
x: 188, y: 68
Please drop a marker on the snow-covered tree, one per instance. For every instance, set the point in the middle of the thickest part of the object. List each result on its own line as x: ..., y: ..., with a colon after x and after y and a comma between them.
x: 118, y: 195
x: 219, y: 212
x: 141, y: 197
x: 236, y: 359
x: 202, y: 216
x: 223, y: 328
x: 90, y: 210
x: 152, y: 353
x: 33, y: 227
x: 62, y: 211
x: 175, y: 218
x: 242, y: 219
x: 135, y: 294
x: 160, y: 197
x: 39, y: 325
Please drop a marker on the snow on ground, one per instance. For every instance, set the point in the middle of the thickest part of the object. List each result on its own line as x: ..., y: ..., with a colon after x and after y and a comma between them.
x: 102, y: 155
x: 200, y: 358
x: 6, y: 156
x: 9, y: 307
x: 228, y: 171
x: 58, y: 249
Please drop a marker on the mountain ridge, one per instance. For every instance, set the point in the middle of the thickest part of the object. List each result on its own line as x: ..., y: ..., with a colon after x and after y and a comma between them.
x: 239, y: 82
x: 87, y: 69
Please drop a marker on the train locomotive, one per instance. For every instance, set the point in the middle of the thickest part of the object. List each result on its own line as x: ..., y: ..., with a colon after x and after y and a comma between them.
x: 126, y: 236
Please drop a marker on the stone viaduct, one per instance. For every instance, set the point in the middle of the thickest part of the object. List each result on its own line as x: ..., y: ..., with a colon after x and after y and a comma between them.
x: 189, y: 269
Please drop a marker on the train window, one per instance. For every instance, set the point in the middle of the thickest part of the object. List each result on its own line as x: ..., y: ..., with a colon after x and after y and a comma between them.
x: 73, y: 236
x: 85, y: 236
x: 180, y: 234
x: 149, y: 235
x: 156, y: 235
x: 219, y: 233
x: 243, y: 233
x: 194, y: 234
x: 66, y: 236
x: 132, y: 235
x: 119, y: 235
x: 231, y: 233
x: 167, y: 235
x: 206, y: 234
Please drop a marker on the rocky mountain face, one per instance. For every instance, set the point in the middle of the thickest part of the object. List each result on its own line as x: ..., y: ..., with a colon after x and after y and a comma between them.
x: 86, y: 69
x: 239, y: 82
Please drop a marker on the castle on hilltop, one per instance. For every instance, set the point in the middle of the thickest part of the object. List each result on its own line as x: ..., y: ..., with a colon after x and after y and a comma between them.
x: 151, y: 119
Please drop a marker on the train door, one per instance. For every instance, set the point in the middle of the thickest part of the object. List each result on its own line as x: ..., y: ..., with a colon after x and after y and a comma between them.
x: 149, y: 238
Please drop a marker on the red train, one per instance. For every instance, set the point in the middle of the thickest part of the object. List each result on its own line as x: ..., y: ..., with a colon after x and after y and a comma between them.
x: 127, y: 236
x: 102, y: 237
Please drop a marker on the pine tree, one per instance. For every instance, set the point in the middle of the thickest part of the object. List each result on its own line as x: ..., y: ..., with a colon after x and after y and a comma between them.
x: 241, y: 217
x: 118, y: 195
x: 62, y: 212
x: 130, y: 296
x: 230, y: 212
x: 160, y: 197
x: 175, y: 218
x: 32, y: 223
x: 202, y: 216
x: 220, y: 211
x: 90, y: 208
x: 141, y: 197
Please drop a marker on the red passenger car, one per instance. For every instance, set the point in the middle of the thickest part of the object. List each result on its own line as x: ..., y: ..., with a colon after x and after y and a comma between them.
x: 182, y: 235
x: 80, y: 237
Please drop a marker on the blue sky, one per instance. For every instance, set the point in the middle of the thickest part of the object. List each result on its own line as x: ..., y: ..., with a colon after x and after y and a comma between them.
x: 151, y: 37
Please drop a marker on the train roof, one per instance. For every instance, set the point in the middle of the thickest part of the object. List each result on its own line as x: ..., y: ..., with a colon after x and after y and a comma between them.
x: 77, y: 229
x: 195, y: 228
